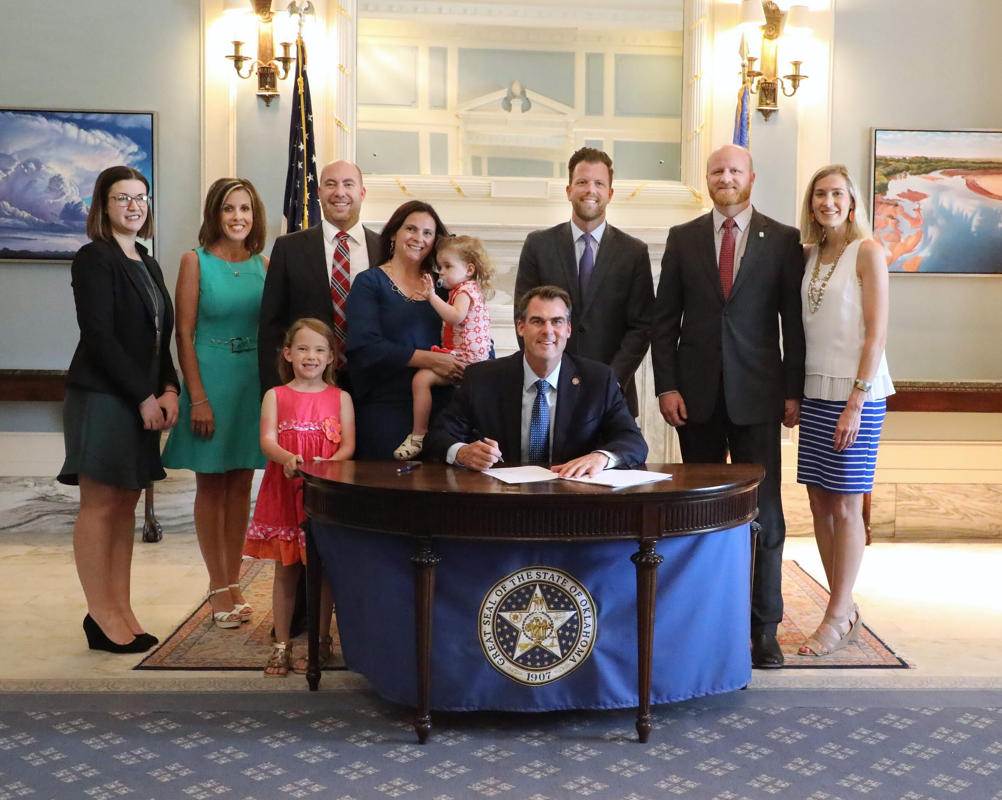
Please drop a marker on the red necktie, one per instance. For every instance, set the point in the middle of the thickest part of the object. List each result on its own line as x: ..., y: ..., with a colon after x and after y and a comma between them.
x: 340, y: 274
x: 727, y: 257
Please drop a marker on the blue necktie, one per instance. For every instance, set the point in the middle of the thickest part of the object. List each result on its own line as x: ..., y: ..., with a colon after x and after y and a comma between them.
x: 539, y: 425
x: 586, y: 265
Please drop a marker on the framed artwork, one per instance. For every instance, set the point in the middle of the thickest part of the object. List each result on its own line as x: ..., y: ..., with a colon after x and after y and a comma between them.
x: 49, y: 161
x: 937, y: 200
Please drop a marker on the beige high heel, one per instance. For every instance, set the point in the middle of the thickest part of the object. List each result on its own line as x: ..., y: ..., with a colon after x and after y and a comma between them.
x: 410, y: 447
x: 224, y: 619
x: 821, y: 644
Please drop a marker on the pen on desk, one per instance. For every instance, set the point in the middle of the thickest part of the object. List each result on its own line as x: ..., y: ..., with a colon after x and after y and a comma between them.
x: 408, y: 468
x: 480, y: 437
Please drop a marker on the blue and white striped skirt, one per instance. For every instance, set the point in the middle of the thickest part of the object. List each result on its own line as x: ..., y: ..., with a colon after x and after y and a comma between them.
x: 847, y: 472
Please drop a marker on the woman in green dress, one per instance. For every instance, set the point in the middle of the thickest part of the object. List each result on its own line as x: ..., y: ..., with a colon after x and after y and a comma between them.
x: 218, y: 300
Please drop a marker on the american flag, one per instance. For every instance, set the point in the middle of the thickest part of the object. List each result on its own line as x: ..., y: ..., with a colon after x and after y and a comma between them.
x: 302, y: 205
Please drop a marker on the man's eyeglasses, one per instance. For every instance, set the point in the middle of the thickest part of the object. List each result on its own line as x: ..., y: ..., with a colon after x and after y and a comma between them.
x: 123, y: 200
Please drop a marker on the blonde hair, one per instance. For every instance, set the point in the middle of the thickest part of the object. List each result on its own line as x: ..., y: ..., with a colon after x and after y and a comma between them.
x: 285, y: 371
x: 472, y: 251
x: 811, y: 231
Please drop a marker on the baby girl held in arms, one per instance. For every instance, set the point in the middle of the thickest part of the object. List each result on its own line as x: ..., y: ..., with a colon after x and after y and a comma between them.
x: 308, y: 419
x: 465, y: 270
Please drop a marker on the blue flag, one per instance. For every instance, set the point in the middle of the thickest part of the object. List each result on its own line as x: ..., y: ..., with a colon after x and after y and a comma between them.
x: 741, y: 119
x: 301, y: 207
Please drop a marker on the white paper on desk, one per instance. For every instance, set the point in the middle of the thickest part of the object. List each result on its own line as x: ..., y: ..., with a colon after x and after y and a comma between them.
x: 521, y: 474
x: 621, y: 478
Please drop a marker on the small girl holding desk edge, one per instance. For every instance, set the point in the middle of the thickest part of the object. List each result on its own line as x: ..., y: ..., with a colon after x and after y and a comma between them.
x: 307, y: 419
x: 465, y: 270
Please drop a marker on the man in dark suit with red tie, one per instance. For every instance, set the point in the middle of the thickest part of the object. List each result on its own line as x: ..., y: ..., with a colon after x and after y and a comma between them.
x: 311, y: 270
x: 730, y: 284
x: 606, y: 272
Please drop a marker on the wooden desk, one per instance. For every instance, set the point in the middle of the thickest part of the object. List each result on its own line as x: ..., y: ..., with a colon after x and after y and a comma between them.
x: 370, y: 496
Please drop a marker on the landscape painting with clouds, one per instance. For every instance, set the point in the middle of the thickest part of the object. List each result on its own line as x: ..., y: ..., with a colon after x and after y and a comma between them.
x: 49, y: 161
x: 937, y: 200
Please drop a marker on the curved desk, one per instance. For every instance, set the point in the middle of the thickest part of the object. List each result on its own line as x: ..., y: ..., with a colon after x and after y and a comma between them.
x: 436, y: 502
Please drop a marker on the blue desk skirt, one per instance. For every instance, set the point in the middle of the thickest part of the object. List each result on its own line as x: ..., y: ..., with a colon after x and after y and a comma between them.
x: 701, y: 636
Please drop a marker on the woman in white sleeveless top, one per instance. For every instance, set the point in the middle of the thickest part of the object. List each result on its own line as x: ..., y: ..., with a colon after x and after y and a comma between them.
x: 845, y: 309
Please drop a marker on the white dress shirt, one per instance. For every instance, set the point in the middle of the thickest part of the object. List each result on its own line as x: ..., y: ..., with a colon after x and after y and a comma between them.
x: 357, y: 249
x: 529, y: 379
x: 579, y: 247
x: 743, y: 220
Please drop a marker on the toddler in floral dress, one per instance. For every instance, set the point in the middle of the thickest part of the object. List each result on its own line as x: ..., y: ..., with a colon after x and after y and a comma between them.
x: 465, y: 270
x: 307, y: 419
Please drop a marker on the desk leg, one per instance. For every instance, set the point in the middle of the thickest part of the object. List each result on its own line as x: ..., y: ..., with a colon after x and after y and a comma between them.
x: 647, y: 562
x: 314, y: 577
x: 424, y: 592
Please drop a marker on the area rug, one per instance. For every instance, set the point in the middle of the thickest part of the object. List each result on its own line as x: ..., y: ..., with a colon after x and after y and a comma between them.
x: 197, y: 644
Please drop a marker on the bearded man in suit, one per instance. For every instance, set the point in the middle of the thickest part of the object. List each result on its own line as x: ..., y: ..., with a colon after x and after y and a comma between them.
x: 311, y: 270
x: 606, y: 272
x: 730, y: 284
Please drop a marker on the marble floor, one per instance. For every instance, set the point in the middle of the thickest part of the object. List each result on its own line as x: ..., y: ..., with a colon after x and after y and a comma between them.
x: 937, y: 605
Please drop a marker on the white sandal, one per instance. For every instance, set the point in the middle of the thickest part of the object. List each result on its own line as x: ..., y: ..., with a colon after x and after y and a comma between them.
x: 243, y: 609
x: 411, y: 447
x: 224, y: 619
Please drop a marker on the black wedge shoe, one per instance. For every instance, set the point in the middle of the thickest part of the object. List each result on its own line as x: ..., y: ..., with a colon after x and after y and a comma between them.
x: 148, y: 637
x: 97, y: 640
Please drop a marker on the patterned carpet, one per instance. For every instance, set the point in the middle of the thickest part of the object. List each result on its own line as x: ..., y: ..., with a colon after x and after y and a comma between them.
x: 353, y: 746
x: 198, y: 645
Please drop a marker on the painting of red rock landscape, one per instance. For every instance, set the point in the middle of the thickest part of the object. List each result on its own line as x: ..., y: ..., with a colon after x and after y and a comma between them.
x: 937, y: 200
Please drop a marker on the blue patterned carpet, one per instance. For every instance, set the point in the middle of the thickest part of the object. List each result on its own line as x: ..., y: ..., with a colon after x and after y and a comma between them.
x: 349, y: 746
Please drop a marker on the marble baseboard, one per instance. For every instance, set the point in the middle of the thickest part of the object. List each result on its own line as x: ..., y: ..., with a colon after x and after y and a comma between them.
x: 929, y: 512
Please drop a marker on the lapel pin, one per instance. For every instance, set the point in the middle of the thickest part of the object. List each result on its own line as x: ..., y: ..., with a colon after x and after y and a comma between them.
x: 761, y: 234
x: 575, y: 381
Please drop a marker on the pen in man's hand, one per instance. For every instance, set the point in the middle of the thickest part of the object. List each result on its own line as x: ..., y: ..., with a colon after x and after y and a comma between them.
x: 408, y: 467
x: 477, y: 435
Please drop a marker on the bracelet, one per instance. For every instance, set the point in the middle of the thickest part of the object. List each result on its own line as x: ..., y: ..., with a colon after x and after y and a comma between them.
x: 171, y: 389
x: 862, y: 385
x: 206, y: 400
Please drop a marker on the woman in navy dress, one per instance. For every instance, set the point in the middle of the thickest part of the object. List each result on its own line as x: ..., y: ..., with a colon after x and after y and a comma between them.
x: 391, y: 331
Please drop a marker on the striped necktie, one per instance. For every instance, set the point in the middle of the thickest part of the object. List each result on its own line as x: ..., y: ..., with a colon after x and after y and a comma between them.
x: 727, y: 257
x: 340, y: 274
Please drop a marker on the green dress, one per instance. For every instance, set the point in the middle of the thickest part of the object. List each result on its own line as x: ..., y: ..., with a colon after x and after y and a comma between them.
x: 229, y: 302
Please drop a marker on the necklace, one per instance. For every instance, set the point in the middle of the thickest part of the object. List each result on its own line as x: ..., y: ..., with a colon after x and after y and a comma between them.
x: 151, y: 290
x: 229, y: 265
x: 388, y: 269
x: 816, y: 291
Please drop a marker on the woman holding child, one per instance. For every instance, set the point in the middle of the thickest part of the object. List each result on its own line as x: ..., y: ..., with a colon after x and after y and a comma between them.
x: 392, y: 329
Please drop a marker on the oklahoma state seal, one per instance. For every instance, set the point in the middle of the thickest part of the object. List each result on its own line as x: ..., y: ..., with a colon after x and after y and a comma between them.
x: 537, y: 625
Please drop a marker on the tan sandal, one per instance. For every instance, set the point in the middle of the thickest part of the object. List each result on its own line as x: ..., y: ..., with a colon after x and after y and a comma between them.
x: 224, y: 619
x: 847, y: 630
x: 326, y: 651
x: 243, y: 609
x: 281, y: 656
x: 410, y: 448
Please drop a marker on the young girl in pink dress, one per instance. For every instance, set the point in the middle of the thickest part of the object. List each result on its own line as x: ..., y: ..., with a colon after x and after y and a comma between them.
x: 465, y: 270
x: 308, y: 419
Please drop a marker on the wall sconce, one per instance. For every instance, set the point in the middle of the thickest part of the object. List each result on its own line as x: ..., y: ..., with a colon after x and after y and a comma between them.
x: 769, y: 18
x: 267, y: 65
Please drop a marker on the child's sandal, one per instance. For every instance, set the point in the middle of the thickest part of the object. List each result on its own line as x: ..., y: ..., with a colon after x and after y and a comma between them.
x: 326, y: 651
x: 281, y: 657
x: 411, y: 447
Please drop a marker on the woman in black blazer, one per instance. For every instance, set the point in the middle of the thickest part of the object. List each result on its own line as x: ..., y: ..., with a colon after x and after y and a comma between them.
x: 121, y: 392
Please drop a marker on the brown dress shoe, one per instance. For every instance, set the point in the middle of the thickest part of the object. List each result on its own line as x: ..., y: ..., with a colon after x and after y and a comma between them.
x: 765, y: 651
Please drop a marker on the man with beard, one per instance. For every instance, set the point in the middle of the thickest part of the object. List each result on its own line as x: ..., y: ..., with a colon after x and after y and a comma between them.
x: 730, y: 282
x: 311, y: 270
x: 606, y: 272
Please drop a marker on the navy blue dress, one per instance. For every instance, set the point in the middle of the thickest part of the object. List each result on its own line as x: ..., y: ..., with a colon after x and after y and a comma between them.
x: 384, y: 330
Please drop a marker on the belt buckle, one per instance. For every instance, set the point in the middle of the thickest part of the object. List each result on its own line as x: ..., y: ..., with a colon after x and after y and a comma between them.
x: 239, y: 344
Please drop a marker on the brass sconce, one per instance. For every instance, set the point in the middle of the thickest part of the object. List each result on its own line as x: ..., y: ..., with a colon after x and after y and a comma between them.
x: 269, y: 67
x: 772, y: 22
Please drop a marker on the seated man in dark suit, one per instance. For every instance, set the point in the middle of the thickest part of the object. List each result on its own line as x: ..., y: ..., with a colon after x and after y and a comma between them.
x: 539, y: 405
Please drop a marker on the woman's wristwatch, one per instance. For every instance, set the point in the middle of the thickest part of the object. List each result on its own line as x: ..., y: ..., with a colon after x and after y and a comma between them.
x: 862, y: 385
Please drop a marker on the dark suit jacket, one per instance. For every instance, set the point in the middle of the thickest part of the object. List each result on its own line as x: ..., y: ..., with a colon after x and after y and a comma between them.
x: 117, y: 352
x: 697, y: 334
x: 612, y: 323
x: 591, y: 414
x: 297, y: 286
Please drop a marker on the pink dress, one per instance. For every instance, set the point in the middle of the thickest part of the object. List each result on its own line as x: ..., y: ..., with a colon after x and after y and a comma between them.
x: 470, y: 340
x: 308, y: 424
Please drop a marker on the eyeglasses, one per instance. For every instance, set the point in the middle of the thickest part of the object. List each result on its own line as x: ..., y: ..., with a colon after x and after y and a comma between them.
x: 123, y: 200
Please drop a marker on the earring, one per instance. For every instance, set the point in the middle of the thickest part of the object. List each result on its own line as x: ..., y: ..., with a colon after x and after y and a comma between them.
x: 852, y: 215
x: 392, y: 244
